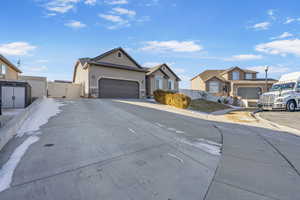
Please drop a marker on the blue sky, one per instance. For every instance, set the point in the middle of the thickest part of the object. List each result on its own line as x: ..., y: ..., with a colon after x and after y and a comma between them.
x: 48, y: 36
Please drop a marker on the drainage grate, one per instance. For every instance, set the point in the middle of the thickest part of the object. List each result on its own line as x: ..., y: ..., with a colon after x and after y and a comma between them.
x: 48, y: 145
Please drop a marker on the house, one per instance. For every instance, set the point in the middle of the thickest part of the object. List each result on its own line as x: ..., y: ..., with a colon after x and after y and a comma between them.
x: 8, y: 71
x: 234, y: 81
x: 115, y: 74
x: 161, y: 77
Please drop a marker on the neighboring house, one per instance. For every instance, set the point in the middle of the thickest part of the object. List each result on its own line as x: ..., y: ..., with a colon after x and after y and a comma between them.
x: 115, y: 74
x: 234, y: 81
x: 14, y: 93
x: 8, y: 71
x: 161, y: 77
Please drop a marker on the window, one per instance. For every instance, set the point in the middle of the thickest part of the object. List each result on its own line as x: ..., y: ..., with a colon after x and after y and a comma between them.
x: 119, y: 55
x: 236, y: 75
x: 171, y: 84
x: 284, y: 86
x: 3, y: 69
x: 298, y: 85
x: 158, y: 82
x: 213, y: 87
x: 248, y: 76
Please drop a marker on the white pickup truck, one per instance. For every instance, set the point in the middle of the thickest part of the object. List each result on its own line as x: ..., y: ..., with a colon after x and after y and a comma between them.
x: 284, y: 95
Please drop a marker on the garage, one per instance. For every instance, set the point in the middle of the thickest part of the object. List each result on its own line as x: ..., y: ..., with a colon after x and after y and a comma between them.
x: 113, y: 88
x: 249, y: 92
x: 15, y: 94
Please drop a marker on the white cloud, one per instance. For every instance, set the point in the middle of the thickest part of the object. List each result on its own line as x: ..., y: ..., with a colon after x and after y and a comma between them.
x: 172, y: 45
x: 42, y: 61
x: 61, y: 6
x: 289, y: 20
x: 283, y: 35
x: 271, y: 13
x: 124, y: 11
x: 280, y: 47
x: 51, y: 14
x: 261, y: 26
x: 90, y: 2
x: 152, y: 3
x: 16, y: 48
x: 272, y: 69
x: 118, y: 22
x: 75, y: 24
x: 243, y: 57
x: 35, y: 69
x: 116, y: 2
x: 113, y: 18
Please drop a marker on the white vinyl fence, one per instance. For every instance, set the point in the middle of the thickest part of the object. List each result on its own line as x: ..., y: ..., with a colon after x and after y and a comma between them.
x: 64, y: 90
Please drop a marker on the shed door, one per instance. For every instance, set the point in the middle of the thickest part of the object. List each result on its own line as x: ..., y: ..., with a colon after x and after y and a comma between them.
x: 112, y: 88
x: 249, y: 92
x: 19, y: 97
x: 7, y: 94
x: 13, y: 97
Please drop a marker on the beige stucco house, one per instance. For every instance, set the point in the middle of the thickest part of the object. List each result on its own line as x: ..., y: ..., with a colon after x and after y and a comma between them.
x: 115, y: 74
x: 161, y: 77
x: 8, y: 71
x: 234, y: 81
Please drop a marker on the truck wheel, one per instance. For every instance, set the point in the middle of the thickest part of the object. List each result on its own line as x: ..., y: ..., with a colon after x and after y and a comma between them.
x: 291, y: 106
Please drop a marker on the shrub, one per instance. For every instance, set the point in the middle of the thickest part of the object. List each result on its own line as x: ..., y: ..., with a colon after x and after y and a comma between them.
x: 173, y: 99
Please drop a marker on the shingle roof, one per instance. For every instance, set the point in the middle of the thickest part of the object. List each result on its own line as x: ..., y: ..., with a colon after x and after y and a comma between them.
x: 9, y: 63
x: 105, y: 64
x: 208, y: 74
x: 114, y: 50
x: 158, y: 67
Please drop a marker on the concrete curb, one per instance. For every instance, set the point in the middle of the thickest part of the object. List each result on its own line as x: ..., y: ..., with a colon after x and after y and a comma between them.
x: 283, y: 128
x: 223, y: 112
x: 9, y: 130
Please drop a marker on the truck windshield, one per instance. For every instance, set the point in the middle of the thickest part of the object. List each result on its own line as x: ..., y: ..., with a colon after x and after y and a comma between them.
x: 284, y: 86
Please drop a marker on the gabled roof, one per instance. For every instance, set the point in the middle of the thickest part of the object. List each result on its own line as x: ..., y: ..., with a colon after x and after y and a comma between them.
x: 114, y: 50
x: 158, y: 67
x: 9, y: 64
x: 208, y: 74
x: 236, y: 67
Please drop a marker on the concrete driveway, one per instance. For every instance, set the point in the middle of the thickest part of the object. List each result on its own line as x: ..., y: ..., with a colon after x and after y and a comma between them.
x: 290, y: 119
x: 104, y: 149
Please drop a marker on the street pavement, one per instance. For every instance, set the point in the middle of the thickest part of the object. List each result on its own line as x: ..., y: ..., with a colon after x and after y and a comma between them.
x: 105, y: 149
x: 290, y: 119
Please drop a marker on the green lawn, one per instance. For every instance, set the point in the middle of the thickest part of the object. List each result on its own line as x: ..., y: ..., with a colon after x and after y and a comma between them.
x: 206, y: 106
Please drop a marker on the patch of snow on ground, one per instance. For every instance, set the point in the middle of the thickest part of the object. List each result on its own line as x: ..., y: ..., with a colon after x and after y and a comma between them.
x: 46, y: 109
x: 11, y: 112
x: 205, y: 145
x: 7, y: 171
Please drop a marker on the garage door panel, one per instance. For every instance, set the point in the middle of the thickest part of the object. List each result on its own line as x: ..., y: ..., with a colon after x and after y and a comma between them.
x: 249, y: 92
x: 112, y: 88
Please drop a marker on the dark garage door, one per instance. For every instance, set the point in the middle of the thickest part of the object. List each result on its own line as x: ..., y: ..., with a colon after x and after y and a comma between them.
x: 112, y: 88
x: 249, y: 92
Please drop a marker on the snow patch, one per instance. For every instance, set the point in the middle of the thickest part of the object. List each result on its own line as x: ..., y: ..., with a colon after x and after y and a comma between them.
x: 7, y: 171
x: 205, y: 145
x: 46, y: 109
